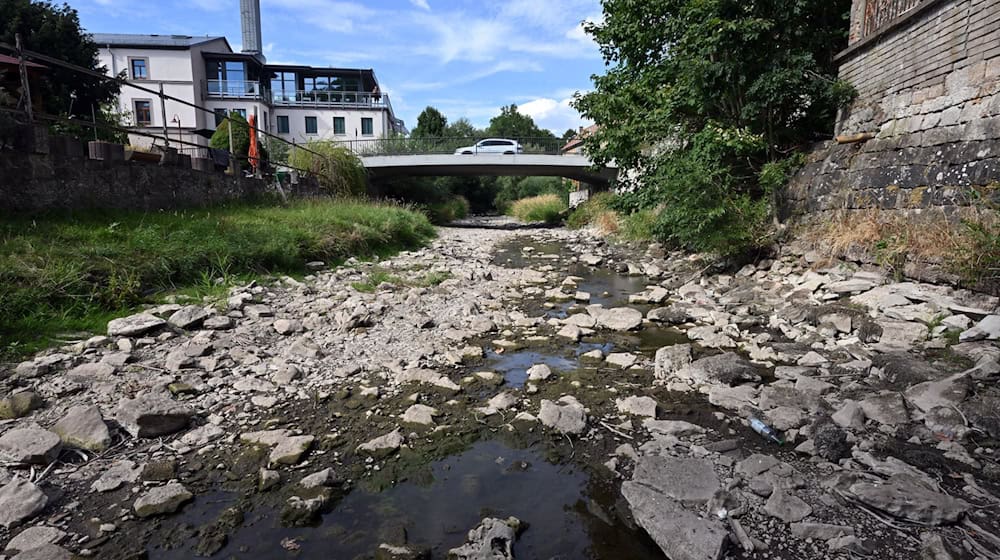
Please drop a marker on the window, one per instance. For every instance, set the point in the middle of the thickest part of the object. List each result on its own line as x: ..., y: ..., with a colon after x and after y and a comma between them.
x: 140, y: 68
x: 283, y: 124
x: 339, y: 125
x: 367, y: 127
x: 283, y: 86
x: 242, y: 112
x: 143, y: 112
x: 311, y: 125
x: 220, y: 117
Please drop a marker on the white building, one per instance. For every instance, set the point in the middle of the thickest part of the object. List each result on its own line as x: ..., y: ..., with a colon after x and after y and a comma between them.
x: 299, y: 103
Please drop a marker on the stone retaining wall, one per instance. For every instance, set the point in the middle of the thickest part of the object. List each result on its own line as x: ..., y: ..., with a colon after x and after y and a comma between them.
x: 929, y: 93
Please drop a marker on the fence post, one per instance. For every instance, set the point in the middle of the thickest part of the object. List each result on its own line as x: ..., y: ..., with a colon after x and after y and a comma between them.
x: 163, y: 115
x: 233, y: 165
x: 291, y: 158
x: 93, y: 118
x: 25, y: 85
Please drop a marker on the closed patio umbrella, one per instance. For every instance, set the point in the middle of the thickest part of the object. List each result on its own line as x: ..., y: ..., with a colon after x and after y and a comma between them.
x: 253, y: 154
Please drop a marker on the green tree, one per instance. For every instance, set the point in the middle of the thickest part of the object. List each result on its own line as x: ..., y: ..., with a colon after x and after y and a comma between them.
x: 701, y: 94
x: 431, y: 123
x: 511, y: 123
x: 568, y: 135
x: 55, y: 31
x: 462, y: 128
x: 241, y: 135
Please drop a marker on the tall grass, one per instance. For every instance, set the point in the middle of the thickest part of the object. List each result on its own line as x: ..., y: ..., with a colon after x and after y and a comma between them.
x: 441, y: 213
x: 66, y: 273
x: 546, y: 208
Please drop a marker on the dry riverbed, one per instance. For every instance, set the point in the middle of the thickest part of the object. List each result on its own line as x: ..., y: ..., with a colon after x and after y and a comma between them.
x: 519, y: 394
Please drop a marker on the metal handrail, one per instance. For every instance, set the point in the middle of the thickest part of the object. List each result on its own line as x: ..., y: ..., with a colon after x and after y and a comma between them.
x: 235, y: 89
x: 443, y: 145
x: 330, y: 98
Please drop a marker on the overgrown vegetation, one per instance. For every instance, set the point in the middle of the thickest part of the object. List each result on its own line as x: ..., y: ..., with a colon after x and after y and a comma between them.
x: 68, y: 273
x: 454, y: 208
x: 701, y: 96
x: 336, y: 167
x: 600, y: 212
x: 546, y: 208
x: 510, y: 189
x: 377, y: 276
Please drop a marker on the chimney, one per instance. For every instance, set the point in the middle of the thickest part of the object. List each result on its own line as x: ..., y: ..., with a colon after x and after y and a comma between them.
x: 250, y: 20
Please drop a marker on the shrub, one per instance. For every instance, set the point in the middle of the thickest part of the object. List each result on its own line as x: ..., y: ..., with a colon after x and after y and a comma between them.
x: 546, y: 208
x: 587, y: 212
x: 241, y: 135
x: 337, y: 168
x: 516, y: 188
x: 639, y: 226
x: 456, y: 208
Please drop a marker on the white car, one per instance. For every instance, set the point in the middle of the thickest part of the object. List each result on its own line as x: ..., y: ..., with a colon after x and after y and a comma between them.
x: 492, y: 146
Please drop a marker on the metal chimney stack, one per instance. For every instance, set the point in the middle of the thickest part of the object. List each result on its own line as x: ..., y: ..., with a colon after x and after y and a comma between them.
x: 250, y: 19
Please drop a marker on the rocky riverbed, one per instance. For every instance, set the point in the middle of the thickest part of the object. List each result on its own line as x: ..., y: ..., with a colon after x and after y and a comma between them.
x: 519, y: 394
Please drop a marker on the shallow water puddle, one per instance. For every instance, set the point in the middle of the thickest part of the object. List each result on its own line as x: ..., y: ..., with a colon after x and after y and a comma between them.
x: 567, y: 513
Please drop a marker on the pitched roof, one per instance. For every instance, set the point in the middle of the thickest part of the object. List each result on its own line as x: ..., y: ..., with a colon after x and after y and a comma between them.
x: 152, y: 41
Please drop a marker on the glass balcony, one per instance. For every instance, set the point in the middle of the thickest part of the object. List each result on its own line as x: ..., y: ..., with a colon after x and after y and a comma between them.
x: 229, y: 89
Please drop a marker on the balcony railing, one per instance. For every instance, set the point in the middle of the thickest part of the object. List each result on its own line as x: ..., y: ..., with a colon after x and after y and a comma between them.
x: 878, y: 13
x: 229, y: 89
x: 349, y: 99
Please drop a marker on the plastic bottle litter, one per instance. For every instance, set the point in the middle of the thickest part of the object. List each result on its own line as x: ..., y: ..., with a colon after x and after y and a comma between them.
x: 767, y: 432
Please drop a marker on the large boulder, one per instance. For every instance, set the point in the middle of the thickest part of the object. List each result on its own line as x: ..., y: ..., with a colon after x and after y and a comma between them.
x: 20, y: 500
x: 83, y: 427
x: 567, y: 415
x: 162, y: 500
x: 670, y: 360
x: 19, y: 404
x: 721, y: 369
x: 188, y: 317
x: 905, y: 496
x: 680, y: 533
x: 617, y: 318
x: 30, y: 445
x: 692, y: 482
x: 152, y: 415
x: 134, y: 325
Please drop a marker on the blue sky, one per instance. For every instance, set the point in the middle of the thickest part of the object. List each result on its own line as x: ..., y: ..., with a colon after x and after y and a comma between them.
x: 465, y: 57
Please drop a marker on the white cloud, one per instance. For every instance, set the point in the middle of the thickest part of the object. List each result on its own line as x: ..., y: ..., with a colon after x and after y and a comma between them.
x: 422, y: 4
x: 503, y: 66
x: 555, y: 115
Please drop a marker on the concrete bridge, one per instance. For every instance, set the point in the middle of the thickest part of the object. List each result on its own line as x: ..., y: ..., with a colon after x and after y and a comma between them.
x: 570, y: 166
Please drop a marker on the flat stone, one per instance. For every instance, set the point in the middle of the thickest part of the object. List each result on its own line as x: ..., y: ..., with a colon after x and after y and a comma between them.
x: 420, y: 414
x: 901, y: 335
x: 731, y: 398
x: 987, y: 329
x: 218, y: 323
x: 569, y: 417
x: 948, y: 392
x: 202, y: 435
x: 676, y: 428
x: 539, y: 372
x: 162, y: 500
x: 188, y: 317
x: 721, y: 369
x: 119, y: 473
x: 639, y: 406
x: 755, y: 465
x: 430, y: 377
x: 907, y: 497
x: 323, y: 478
x: 92, y: 371
x: 30, y: 446
x: 618, y: 318
x: 812, y: 359
x: 571, y: 332
x: 287, y: 326
x: 286, y: 448
x: 591, y: 260
x: 820, y: 531
x: 813, y: 385
x: 680, y: 534
x: 20, y: 500
x: 582, y: 320
x: 623, y: 360
x: 850, y: 416
x: 692, y: 482
x: 19, y: 405
x: 786, y: 507
x: 134, y: 325
x: 35, y: 537
x: 304, y: 347
x: 46, y: 552
x: 258, y: 311
x: 886, y: 408
x: 854, y: 285
x: 153, y: 415
x: 383, y: 446
x: 84, y: 427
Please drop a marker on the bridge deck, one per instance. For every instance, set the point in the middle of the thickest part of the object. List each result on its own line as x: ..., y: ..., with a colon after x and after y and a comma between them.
x: 572, y: 166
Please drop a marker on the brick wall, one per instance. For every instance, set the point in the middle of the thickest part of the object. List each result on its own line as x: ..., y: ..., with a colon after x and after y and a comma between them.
x: 928, y: 89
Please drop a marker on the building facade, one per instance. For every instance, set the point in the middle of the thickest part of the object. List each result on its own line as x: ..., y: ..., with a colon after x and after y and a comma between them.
x: 296, y: 103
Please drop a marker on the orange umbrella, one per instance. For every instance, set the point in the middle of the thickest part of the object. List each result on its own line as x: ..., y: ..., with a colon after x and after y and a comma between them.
x: 253, y: 154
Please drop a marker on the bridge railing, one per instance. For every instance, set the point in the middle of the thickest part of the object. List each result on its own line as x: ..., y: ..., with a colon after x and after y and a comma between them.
x: 424, y: 145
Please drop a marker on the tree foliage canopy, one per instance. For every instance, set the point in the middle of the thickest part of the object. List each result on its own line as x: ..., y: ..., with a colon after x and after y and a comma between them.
x: 431, y: 123
x: 724, y: 85
x: 55, y: 31
x: 511, y: 123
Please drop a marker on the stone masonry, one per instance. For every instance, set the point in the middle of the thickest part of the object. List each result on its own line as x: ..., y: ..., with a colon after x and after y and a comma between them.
x: 928, y: 84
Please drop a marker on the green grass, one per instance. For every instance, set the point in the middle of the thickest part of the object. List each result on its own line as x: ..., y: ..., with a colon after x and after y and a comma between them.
x: 375, y: 277
x: 546, y: 208
x: 442, y: 213
x: 71, y: 273
x: 588, y: 211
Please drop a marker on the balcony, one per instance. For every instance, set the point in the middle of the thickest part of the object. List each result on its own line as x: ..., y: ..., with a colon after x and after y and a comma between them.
x: 331, y: 99
x: 229, y: 89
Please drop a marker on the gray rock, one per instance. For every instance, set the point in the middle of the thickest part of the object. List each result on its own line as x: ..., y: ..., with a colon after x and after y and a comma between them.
x: 45, y: 552
x: 90, y: 372
x: 854, y: 285
x: 850, y: 416
x: 676, y: 428
x: 906, y: 497
x: 618, y: 318
x: 692, y: 482
x: 134, y: 325
x: 305, y: 347
x: 670, y: 360
x: 821, y: 531
x: 30, y: 445
x: 323, y: 478
x: 886, y: 408
x: 722, y: 369
x: 639, y: 406
x: 162, y: 500
x: 932, y: 547
x: 987, y: 329
x: 786, y: 507
x: 35, y: 537
x: 20, y: 500
x: 83, y: 427
x: 420, y: 414
x: 755, y: 465
x: 680, y: 534
x: 152, y: 415
x: 950, y: 391
x: 570, y: 417
x: 493, y: 539
x: 118, y: 474
x: 19, y: 405
x: 188, y: 317
x: 218, y: 323
x: 268, y: 479
x: 286, y: 447
x: 383, y: 446
x: 202, y: 435
x: 539, y: 372
x: 287, y: 326
x: 572, y: 332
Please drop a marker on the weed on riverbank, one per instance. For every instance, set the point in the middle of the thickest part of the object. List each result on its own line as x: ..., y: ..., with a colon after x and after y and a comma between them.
x: 74, y: 272
x: 543, y: 208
